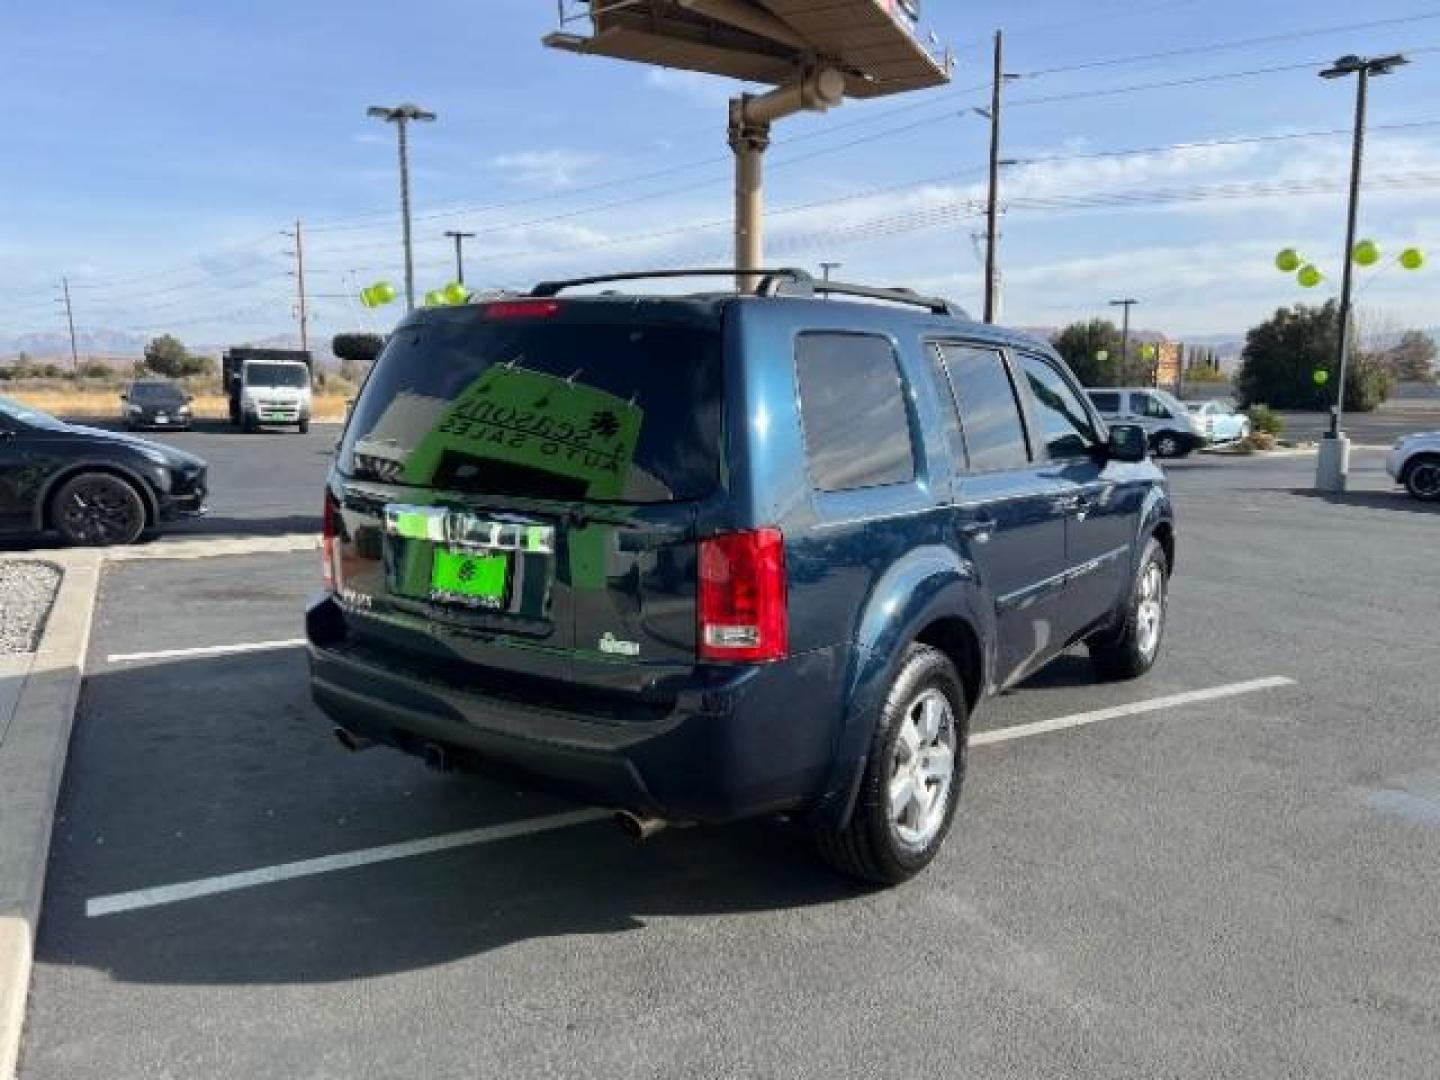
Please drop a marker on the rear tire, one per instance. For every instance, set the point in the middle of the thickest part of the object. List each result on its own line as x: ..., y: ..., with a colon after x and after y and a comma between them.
x: 1422, y: 478
x: 1132, y: 650
x: 249, y: 425
x: 304, y: 427
x: 913, y: 775
x: 97, y: 510
x: 1166, y: 444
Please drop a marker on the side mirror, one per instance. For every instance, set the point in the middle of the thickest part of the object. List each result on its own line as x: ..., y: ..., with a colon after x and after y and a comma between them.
x: 1128, y: 442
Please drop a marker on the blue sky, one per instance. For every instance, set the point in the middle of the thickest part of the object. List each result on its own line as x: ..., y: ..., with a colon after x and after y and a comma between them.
x: 157, y: 148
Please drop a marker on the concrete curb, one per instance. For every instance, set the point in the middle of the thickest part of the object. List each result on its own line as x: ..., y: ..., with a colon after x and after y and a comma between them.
x: 32, y: 763
x: 35, y: 741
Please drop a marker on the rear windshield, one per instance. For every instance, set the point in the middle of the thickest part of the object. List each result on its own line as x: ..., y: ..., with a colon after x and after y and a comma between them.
x: 597, y: 412
x: 296, y: 375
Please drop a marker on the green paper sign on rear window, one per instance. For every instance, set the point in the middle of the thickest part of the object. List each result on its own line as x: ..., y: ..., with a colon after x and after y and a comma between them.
x: 545, y: 409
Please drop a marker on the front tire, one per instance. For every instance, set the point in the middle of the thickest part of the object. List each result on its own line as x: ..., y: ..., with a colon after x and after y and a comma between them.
x: 913, y: 775
x: 98, y: 510
x: 1132, y: 650
x: 1422, y: 478
x: 304, y: 427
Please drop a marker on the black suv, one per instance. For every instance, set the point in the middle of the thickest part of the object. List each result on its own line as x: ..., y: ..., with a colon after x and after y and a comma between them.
x: 707, y: 557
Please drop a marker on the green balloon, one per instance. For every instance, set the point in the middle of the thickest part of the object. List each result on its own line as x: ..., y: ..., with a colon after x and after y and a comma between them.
x: 1147, y: 352
x: 1367, y: 253
x: 367, y: 298
x: 1310, y: 276
x: 1321, y: 377
x: 382, y: 292
x: 434, y: 298
x: 1288, y: 261
x: 455, y: 293
x: 1412, y: 258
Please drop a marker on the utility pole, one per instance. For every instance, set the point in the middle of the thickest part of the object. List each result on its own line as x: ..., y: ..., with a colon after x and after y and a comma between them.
x: 400, y: 116
x: 827, y: 267
x: 992, y: 208
x: 1333, y: 467
x: 1125, y: 336
x: 459, y: 238
x: 70, y: 319
x: 299, y: 272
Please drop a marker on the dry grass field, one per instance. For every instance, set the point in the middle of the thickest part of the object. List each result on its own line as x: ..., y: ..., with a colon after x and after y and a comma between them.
x: 86, y: 403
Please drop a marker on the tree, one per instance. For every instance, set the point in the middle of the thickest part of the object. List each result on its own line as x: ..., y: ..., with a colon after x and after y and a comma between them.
x: 1412, y: 359
x: 1082, y: 345
x: 1283, y: 354
x: 166, y: 355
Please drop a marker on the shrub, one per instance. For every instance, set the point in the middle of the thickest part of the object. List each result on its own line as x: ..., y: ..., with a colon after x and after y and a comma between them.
x: 1265, y: 420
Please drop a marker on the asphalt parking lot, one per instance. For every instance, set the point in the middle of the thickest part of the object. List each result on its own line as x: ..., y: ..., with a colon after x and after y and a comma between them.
x: 1237, y: 885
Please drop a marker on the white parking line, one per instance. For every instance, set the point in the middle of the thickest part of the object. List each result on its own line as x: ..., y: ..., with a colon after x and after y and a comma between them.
x: 116, y: 903
x: 1191, y: 697
x: 206, y: 650
x: 269, y: 875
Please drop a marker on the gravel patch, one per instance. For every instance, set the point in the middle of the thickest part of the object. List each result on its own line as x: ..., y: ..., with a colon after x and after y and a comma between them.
x: 27, y: 590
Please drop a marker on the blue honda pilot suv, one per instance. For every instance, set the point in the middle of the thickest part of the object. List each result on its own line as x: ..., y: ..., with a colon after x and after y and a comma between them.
x: 708, y: 557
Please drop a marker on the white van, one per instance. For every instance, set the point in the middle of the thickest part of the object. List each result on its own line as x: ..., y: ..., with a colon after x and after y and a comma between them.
x: 1173, y: 431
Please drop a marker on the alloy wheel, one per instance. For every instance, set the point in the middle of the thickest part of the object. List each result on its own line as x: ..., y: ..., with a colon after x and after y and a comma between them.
x: 923, y: 769
x: 99, y: 511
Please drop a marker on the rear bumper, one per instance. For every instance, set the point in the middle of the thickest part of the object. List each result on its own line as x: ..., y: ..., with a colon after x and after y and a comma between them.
x: 735, y: 742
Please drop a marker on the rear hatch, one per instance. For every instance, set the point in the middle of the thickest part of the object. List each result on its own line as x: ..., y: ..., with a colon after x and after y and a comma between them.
x: 520, y: 487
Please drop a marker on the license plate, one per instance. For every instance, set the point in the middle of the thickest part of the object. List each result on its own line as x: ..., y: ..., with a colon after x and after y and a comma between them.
x: 472, y: 578
x: 162, y: 419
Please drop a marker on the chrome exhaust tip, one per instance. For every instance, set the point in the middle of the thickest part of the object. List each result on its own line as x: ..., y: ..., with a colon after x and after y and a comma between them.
x: 640, y: 827
x: 352, y: 742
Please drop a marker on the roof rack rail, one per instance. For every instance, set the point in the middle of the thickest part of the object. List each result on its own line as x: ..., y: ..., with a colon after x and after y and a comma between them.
x: 785, y: 281
x: 769, y: 279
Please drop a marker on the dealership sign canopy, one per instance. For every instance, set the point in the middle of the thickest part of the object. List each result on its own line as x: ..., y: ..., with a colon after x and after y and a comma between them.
x: 874, y: 43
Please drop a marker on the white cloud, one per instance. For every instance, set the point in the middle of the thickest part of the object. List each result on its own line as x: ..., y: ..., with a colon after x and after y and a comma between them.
x: 693, y: 86
x: 554, y: 168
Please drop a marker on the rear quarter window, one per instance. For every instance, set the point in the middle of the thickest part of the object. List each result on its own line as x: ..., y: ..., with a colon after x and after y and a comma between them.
x: 852, y: 406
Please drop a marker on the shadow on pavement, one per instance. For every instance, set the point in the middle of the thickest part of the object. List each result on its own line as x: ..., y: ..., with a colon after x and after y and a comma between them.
x: 191, y: 769
x: 1396, y: 500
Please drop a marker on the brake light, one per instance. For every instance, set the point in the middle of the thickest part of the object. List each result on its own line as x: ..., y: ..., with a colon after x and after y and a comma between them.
x: 522, y: 309
x: 743, y: 609
x: 330, y: 541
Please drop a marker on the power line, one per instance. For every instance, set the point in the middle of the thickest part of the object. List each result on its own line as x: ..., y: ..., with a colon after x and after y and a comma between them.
x: 1241, y: 43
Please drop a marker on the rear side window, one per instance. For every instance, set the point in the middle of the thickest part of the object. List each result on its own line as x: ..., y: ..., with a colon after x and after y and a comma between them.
x: 989, y: 410
x: 1064, y: 422
x: 852, y: 403
x: 606, y: 412
x: 1106, y: 403
x: 1148, y: 405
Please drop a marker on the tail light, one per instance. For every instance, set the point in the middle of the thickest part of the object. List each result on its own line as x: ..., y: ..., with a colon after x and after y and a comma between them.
x: 743, y: 609
x: 330, y: 541
x: 522, y: 309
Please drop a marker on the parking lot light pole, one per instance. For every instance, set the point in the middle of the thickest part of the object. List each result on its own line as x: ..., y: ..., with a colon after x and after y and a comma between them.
x: 1125, y: 336
x: 459, y: 238
x: 400, y: 116
x: 1333, y: 467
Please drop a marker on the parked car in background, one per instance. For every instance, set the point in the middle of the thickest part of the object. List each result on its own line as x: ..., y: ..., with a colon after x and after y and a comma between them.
x: 155, y: 403
x: 93, y: 487
x: 1172, y: 430
x: 1415, y: 462
x: 711, y: 557
x: 1222, y: 423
